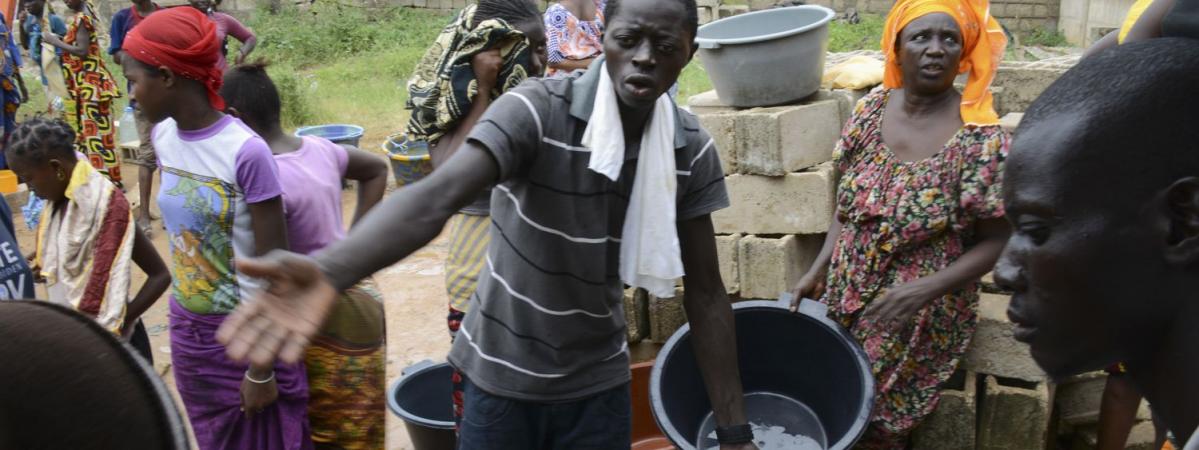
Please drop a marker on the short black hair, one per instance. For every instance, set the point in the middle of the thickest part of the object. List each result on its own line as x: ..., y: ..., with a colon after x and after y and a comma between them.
x: 690, y: 23
x: 512, y: 11
x: 1134, y: 106
x: 70, y: 370
x: 249, y: 89
x: 38, y: 140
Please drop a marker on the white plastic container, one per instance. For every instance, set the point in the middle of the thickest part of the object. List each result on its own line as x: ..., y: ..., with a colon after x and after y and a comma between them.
x: 127, y: 127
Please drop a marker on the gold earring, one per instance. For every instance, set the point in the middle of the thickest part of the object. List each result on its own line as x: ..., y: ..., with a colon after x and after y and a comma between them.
x: 62, y: 175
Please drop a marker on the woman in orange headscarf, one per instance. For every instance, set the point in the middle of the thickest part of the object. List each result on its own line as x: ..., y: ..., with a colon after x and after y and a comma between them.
x: 919, y: 217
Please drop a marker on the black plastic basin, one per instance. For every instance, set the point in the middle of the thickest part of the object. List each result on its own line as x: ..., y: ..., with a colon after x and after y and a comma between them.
x: 803, y: 356
x: 423, y: 397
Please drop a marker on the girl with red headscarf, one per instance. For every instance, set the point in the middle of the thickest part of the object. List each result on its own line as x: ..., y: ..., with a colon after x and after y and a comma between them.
x: 220, y: 200
x: 919, y: 214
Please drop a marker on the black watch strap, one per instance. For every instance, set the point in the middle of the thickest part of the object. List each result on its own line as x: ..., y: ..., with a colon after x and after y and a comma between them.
x: 735, y: 434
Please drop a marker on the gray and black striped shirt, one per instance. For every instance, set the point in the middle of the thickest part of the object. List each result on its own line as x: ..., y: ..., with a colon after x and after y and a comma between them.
x: 546, y: 323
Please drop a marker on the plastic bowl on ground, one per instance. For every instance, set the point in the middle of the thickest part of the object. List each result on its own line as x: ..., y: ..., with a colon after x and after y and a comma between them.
x: 789, y: 363
x: 765, y: 58
x: 338, y: 133
x: 410, y: 160
x: 422, y: 397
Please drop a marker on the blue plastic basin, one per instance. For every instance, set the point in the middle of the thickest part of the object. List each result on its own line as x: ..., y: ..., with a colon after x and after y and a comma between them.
x: 338, y: 133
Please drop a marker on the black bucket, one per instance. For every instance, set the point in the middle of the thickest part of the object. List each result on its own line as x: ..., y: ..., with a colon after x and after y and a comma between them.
x: 805, y: 357
x: 423, y: 397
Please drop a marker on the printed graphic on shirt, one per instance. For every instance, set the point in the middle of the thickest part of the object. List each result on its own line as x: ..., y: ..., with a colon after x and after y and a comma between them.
x: 201, y: 237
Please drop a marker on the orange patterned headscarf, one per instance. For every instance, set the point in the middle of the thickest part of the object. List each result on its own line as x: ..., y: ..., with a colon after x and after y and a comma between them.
x: 983, y: 42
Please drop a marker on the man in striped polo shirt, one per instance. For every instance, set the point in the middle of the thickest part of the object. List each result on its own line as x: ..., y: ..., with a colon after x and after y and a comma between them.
x: 543, y: 348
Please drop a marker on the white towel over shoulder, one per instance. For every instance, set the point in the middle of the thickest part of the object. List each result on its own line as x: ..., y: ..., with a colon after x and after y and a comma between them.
x: 650, y: 257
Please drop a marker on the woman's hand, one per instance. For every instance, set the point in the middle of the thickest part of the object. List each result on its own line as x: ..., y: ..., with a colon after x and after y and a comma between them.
x: 810, y: 286
x: 48, y: 36
x: 257, y: 396
x: 487, y: 66
x: 898, y: 304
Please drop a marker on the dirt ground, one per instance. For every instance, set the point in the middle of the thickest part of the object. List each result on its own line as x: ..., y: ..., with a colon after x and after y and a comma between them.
x: 414, y: 292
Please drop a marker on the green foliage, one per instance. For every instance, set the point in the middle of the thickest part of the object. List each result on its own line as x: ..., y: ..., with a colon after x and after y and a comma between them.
x: 1044, y: 38
x: 328, y: 31
x: 342, y: 64
x: 295, y: 96
x: 864, y: 35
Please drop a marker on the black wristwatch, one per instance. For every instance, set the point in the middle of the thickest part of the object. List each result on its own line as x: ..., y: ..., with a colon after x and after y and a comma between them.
x: 735, y: 434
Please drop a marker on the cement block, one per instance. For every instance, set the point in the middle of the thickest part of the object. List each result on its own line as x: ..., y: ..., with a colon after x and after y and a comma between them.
x: 706, y: 14
x: 708, y: 103
x: 1040, y: 11
x: 1013, y: 418
x: 1022, y: 85
x: 666, y: 315
x: 1142, y: 437
x: 779, y: 140
x: 726, y: 11
x: 846, y: 99
x: 877, y: 6
x: 994, y: 351
x: 757, y: 5
x: 771, y: 266
x: 952, y: 425
x: 797, y: 203
x: 708, y: 3
x: 1078, y: 400
x: 727, y: 254
x: 1011, y: 121
x: 1019, y: 10
x: 636, y: 314
x: 459, y: 4
x: 723, y: 129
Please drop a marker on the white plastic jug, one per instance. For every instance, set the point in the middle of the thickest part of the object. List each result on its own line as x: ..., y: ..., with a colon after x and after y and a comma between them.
x: 127, y: 127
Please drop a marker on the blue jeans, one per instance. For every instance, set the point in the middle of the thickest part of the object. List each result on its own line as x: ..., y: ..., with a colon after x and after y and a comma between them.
x: 599, y: 422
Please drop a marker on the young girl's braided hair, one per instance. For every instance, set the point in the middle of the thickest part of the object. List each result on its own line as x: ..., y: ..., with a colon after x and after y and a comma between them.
x: 39, y: 139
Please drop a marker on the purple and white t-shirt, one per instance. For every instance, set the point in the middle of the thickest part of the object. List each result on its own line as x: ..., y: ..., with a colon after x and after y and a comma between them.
x: 311, y: 179
x: 209, y: 177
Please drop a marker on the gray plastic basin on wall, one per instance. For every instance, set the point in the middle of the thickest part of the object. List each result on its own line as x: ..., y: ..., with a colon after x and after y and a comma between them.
x: 764, y: 58
x: 803, y: 356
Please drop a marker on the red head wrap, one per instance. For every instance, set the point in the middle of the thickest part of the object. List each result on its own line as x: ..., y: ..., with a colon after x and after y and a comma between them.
x: 183, y: 40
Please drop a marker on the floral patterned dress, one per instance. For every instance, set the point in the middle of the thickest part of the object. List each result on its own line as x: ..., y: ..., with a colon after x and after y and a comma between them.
x: 89, y: 108
x: 567, y: 37
x: 903, y: 221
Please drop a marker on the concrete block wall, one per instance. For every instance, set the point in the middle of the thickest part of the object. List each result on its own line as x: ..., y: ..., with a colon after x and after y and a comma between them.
x: 952, y: 426
x: 780, y: 183
x: 1077, y: 414
x: 666, y: 316
x: 1014, y: 417
x: 994, y: 350
x: 1019, y: 16
x: 636, y: 313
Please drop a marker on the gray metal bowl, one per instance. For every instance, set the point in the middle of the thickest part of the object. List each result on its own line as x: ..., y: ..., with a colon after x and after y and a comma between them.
x: 766, y: 58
